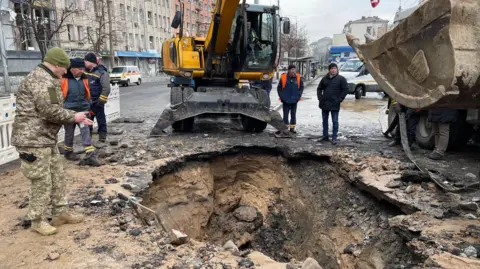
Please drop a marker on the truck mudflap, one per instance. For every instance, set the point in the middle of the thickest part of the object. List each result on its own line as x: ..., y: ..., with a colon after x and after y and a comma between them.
x: 219, y: 101
x: 431, y: 59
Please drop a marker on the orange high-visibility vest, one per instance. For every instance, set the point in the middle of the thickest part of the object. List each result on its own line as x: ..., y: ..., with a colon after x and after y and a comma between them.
x: 64, y: 86
x: 284, y: 80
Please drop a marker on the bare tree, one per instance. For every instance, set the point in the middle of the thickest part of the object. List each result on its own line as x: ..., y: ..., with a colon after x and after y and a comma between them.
x: 99, y: 37
x: 42, y: 22
x: 295, y: 43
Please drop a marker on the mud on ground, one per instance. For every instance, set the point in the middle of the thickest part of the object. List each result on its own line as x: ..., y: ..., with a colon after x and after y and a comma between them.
x: 279, y: 201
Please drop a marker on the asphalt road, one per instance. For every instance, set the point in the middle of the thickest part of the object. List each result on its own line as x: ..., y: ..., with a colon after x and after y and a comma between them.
x: 358, y: 118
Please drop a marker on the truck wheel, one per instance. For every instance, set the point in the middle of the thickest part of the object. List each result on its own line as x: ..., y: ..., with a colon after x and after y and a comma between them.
x: 253, y: 125
x: 460, y: 132
x: 185, y: 125
x: 176, y: 96
x: 424, y: 134
x: 359, y: 92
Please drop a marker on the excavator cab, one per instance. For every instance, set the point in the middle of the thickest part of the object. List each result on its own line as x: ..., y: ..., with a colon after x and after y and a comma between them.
x: 242, y: 44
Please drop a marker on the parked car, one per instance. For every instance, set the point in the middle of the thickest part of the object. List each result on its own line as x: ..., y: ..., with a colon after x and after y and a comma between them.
x: 362, y: 83
x: 124, y: 75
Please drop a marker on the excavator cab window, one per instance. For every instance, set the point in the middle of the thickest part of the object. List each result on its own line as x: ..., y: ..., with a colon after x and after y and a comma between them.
x: 260, y: 29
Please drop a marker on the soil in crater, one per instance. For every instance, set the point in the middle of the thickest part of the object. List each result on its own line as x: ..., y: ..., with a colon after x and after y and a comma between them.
x: 289, y: 210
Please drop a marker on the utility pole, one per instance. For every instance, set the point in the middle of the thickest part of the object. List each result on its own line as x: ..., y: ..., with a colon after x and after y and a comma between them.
x: 110, y: 28
x: 6, y: 77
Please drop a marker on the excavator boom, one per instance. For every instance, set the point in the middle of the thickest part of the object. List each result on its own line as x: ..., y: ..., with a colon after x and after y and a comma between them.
x: 431, y: 59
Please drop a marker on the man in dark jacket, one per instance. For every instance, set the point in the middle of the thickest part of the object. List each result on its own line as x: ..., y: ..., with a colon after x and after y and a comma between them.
x: 290, y: 90
x: 331, y: 91
x: 441, y: 120
x: 76, y: 92
x: 99, y: 81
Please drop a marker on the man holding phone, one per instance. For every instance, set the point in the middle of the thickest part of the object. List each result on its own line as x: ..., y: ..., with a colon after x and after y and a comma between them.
x: 40, y: 114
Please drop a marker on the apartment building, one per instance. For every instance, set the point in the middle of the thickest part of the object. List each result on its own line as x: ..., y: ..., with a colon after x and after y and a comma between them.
x: 197, y: 16
x: 133, y: 30
x: 374, y: 26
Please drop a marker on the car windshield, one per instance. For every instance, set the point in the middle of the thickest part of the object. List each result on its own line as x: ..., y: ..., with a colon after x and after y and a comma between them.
x: 119, y: 69
x: 352, y: 66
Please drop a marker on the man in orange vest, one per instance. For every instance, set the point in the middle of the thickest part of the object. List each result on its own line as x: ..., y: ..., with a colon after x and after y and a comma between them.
x: 290, y: 90
x: 76, y: 92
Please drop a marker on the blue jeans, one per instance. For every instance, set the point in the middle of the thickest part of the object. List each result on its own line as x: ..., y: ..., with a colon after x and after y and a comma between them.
x: 99, y: 111
x: 334, y: 121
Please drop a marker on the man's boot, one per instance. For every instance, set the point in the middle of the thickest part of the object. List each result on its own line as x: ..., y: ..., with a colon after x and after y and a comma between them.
x: 435, y: 156
x: 66, y: 217
x: 102, y: 137
x: 292, y: 130
x: 92, y: 160
x: 42, y: 227
x: 71, y: 156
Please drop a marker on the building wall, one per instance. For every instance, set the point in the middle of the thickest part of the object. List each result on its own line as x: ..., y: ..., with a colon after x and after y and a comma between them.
x: 197, y: 16
x: 339, y: 40
x: 374, y: 26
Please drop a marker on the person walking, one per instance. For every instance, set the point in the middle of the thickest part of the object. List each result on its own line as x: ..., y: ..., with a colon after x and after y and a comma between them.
x: 441, y: 120
x: 99, y: 81
x: 40, y: 114
x: 331, y: 91
x: 76, y: 91
x: 290, y: 90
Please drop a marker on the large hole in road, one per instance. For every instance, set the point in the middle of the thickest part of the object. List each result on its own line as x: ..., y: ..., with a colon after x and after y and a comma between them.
x: 283, y: 208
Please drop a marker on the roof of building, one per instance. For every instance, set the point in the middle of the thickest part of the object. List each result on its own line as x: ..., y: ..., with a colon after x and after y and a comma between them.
x: 367, y: 19
x: 401, y: 15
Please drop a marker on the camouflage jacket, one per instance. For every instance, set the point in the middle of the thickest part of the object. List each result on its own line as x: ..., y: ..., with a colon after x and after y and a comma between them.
x: 39, y: 113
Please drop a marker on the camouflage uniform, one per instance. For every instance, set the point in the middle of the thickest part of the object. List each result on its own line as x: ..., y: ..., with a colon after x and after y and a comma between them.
x: 39, y: 117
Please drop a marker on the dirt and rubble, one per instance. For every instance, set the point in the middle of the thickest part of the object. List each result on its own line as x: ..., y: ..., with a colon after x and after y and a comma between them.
x: 248, y: 201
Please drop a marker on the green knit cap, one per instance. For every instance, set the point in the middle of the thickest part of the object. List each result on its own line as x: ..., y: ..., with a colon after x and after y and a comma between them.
x: 58, y: 57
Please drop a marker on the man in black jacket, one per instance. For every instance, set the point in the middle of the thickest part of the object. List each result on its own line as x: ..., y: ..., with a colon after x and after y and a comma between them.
x: 441, y: 120
x: 331, y: 91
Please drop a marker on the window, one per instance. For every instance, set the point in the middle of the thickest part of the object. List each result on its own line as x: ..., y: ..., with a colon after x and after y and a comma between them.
x: 369, y: 30
x: 156, y: 20
x: 137, y: 41
x: 149, y: 18
x: 129, y: 13
x: 80, y: 33
x: 135, y: 15
x: 143, y: 42
x: 267, y: 27
x: 169, y: 28
x: 165, y: 25
x: 86, y: 5
x: 151, y: 42
x: 125, y: 38
x: 122, y: 11
x: 130, y: 40
x: 142, y: 16
x: 70, y: 31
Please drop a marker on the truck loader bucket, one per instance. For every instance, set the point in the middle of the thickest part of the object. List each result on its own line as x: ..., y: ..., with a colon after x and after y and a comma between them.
x: 431, y: 59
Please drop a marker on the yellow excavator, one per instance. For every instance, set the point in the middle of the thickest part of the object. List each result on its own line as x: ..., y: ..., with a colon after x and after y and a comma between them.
x: 242, y: 44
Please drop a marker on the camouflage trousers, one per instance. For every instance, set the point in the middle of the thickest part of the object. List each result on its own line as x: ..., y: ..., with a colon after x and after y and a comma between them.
x: 47, y: 181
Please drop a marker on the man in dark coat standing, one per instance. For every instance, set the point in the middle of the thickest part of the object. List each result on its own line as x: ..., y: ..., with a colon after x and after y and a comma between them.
x: 331, y: 91
x: 441, y: 120
x: 290, y: 90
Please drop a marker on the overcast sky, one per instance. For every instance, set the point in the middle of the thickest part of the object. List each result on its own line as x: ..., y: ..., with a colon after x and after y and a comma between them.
x: 327, y: 17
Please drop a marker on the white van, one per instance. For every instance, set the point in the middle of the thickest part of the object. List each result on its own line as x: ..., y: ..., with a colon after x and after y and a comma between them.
x: 125, y: 75
x: 351, y: 68
x: 363, y: 83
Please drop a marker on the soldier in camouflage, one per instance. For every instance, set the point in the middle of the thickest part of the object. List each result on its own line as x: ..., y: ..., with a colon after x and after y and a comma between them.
x: 39, y: 117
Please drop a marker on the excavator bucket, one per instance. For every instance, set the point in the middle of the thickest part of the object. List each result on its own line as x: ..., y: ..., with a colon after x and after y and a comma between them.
x: 432, y: 58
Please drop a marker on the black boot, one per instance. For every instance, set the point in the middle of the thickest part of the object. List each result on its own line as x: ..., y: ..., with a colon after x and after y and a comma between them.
x: 102, y: 137
x: 292, y: 130
x: 71, y: 156
x: 91, y: 161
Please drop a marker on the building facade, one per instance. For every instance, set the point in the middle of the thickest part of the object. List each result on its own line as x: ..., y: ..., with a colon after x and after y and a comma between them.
x: 197, y: 16
x: 374, y: 26
x: 133, y: 30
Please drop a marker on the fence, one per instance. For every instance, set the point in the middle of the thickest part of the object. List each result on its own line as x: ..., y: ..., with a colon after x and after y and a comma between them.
x: 7, y: 112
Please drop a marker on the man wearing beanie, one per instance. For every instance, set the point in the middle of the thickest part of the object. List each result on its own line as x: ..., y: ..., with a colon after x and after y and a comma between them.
x: 331, y: 91
x: 39, y: 116
x: 290, y: 90
x: 99, y: 81
x: 76, y: 91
